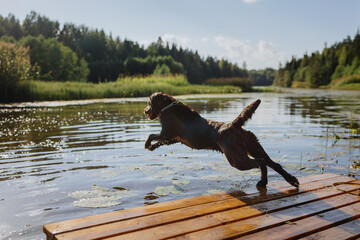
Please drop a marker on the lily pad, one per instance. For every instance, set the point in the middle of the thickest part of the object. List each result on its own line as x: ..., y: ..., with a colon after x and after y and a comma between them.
x: 292, y: 166
x: 167, y: 172
x: 309, y: 170
x: 97, y: 202
x: 164, y: 191
x: 99, y: 197
x: 175, y: 189
x: 181, y: 182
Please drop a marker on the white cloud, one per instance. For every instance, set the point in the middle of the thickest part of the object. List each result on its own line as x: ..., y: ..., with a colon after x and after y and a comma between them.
x: 257, y: 55
x: 178, y: 40
x: 263, y: 54
x: 234, y: 48
x: 268, y: 54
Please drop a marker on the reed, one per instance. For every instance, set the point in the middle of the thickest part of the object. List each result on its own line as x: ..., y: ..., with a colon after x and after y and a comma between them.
x: 138, y: 86
x: 244, y: 83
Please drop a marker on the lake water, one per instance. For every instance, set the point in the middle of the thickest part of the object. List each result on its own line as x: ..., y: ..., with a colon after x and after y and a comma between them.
x: 64, y: 160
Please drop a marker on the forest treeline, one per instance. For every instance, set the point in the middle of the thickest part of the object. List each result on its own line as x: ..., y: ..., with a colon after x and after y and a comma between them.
x: 51, y: 52
x: 80, y: 53
x: 335, y: 65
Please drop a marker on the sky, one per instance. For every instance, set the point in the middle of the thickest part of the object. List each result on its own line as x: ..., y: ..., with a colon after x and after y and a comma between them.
x: 262, y: 33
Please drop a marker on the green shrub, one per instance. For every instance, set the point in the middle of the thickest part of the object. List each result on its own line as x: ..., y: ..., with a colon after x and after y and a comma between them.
x: 56, y: 61
x: 161, y: 69
x: 14, y: 67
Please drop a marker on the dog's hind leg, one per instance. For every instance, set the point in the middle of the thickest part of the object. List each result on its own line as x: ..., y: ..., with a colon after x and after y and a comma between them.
x: 240, y: 160
x: 256, y: 150
x: 235, y: 153
x: 232, y: 147
x: 278, y: 168
x: 264, y: 174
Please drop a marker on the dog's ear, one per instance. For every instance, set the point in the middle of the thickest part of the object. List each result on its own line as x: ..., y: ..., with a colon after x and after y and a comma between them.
x: 167, y: 98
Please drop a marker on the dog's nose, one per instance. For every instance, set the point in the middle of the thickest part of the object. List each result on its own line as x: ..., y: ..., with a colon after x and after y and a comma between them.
x: 146, y: 110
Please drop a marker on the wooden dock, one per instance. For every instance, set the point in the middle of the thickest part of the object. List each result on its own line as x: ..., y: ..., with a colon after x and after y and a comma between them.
x: 317, y: 210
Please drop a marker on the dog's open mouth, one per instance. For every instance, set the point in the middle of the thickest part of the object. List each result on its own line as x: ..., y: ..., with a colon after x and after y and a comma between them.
x: 148, y: 112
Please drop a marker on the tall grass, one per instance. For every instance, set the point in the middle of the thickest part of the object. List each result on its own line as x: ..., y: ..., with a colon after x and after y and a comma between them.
x: 124, y: 87
x: 244, y: 83
x: 348, y: 82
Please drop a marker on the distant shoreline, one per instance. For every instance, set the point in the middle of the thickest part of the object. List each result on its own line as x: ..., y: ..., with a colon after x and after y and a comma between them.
x: 59, y: 103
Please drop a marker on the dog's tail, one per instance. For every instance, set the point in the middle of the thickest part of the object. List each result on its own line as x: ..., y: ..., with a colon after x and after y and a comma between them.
x: 246, y: 114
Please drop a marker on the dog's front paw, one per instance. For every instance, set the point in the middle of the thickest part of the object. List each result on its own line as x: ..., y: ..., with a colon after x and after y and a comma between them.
x: 155, y: 146
x: 147, y: 144
x: 152, y: 147
x: 293, y: 181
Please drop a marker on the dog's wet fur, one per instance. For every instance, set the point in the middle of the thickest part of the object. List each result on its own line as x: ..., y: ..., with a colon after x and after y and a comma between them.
x: 181, y: 123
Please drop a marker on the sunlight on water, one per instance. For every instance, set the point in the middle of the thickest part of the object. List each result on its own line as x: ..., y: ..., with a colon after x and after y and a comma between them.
x: 63, y: 161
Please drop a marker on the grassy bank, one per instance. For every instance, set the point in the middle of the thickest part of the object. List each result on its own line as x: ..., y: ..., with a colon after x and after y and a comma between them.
x: 348, y: 82
x: 123, y: 87
x: 244, y: 83
x: 343, y: 83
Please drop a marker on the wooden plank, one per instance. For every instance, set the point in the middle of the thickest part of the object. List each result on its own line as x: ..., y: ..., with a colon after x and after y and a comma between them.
x: 73, y: 224
x: 258, y: 223
x: 80, y: 223
x: 349, y: 230
x: 218, y: 219
x: 211, y: 214
x: 65, y: 226
x: 307, y: 226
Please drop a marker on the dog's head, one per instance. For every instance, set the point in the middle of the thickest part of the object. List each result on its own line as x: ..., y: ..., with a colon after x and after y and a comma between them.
x: 157, y: 102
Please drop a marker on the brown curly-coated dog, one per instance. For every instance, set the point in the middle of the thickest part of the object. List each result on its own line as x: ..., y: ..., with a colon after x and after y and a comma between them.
x: 181, y: 123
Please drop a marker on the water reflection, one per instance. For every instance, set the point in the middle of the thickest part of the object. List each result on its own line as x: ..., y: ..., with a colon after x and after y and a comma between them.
x: 47, y: 153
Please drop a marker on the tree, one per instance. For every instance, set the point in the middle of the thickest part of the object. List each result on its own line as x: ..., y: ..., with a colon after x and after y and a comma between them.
x: 10, y: 27
x: 161, y: 69
x: 14, y: 67
x: 336, y: 61
x: 71, y: 36
x: 262, y: 77
x: 56, y: 61
x: 108, y: 58
x: 36, y: 25
x: 244, y: 66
